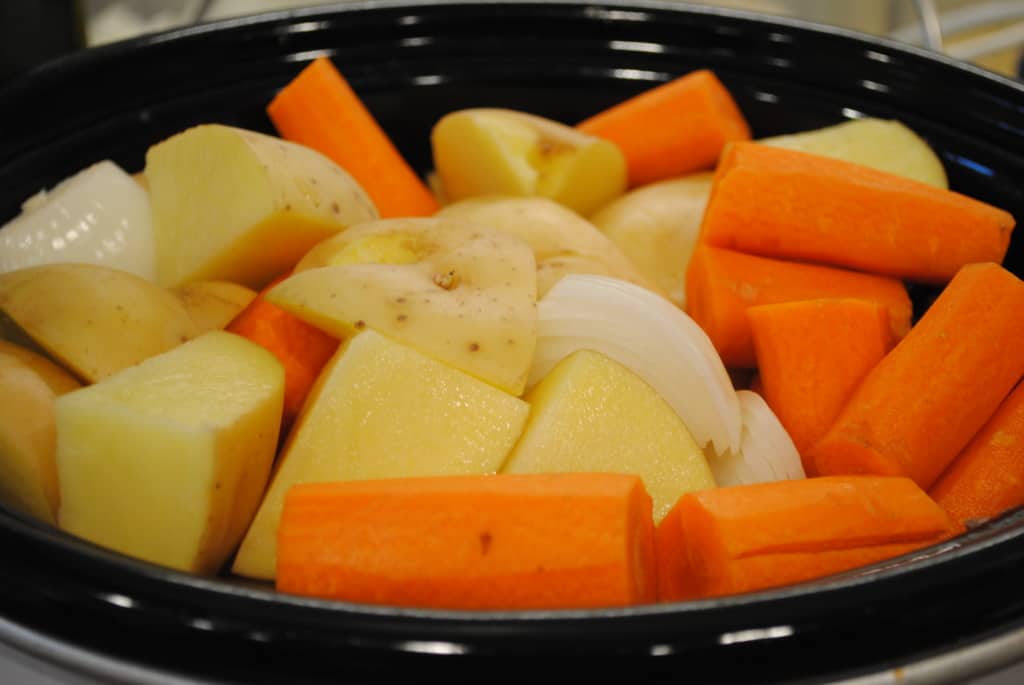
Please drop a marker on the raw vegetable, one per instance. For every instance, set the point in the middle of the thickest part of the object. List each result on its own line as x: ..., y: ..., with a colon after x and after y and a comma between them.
x: 766, y: 451
x: 723, y: 284
x: 919, y: 407
x: 236, y: 205
x: 793, y: 205
x: 987, y: 477
x: 460, y: 292
x: 302, y: 349
x: 91, y: 319
x: 811, y: 355
x: 555, y: 541
x: 383, y: 410
x: 672, y: 129
x: 648, y: 335
x: 590, y: 413
x: 319, y: 109
x: 97, y: 216
x: 563, y: 242
x: 656, y: 226
x: 489, y: 151
x: 213, y: 304
x: 753, y: 537
x: 166, y: 461
x: 886, y: 145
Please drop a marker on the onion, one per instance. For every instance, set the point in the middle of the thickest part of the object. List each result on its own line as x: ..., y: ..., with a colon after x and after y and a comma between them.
x: 652, y: 337
x: 98, y: 216
x: 767, y: 452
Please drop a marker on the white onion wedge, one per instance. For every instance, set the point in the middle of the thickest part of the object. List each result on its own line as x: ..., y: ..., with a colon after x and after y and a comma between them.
x: 100, y: 216
x: 767, y: 452
x: 652, y: 337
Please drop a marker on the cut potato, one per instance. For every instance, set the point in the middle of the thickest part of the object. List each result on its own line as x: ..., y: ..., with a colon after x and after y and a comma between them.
x: 489, y: 151
x: 92, y: 320
x: 100, y: 215
x: 236, y: 205
x: 383, y: 410
x: 167, y: 461
x: 657, y: 226
x: 59, y: 380
x: 28, y: 433
x: 590, y: 413
x: 563, y: 242
x: 213, y: 304
x: 883, y: 144
x: 461, y: 293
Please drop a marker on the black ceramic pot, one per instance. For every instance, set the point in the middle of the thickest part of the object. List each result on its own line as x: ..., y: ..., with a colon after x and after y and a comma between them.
x: 413, y: 62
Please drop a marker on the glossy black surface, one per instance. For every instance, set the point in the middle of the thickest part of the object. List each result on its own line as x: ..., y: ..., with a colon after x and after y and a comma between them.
x: 412, y: 63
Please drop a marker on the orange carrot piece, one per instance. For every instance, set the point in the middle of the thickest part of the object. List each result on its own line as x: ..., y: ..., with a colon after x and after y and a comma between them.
x: 752, y: 537
x: 921, y: 405
x: 789, y: 204
x: 300, y: 347
x: 987, y: 478
x: 319, y: 109
x: 672, y: 129
x: 722, y: 284
x: 811, y: 355
x: 523, y: 541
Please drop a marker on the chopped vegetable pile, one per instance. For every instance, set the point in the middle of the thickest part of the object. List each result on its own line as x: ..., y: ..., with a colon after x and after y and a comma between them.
x: 646, y: 358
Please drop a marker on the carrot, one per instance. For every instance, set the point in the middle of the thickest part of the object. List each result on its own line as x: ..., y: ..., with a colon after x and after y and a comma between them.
x: 752, y: 537
x: 722, y: 284
x: 811, y: 355
x: 794, y: 205
x: 987, y: 478
x: 319, y: 109
x: 300, y: 347
x: 566, y: 540
x: 672, y: 129
x: 919, y: 407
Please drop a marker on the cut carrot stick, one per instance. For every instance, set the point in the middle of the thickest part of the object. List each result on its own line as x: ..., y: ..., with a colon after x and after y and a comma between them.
x: 566, y: 540
x: 672, y: 129
x: 753, y: 537
x: 794, y: 205
x: 987, y: 478
x: 722, y: 284
x: 811, y: 355
x: 319, y: 109
x: 300, y: 347
x: 921, y: 405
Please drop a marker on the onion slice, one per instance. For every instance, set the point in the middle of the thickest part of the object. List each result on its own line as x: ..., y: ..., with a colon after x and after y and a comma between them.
x: 649, y: 335
x: 767, y: 452
x: 100, y: 215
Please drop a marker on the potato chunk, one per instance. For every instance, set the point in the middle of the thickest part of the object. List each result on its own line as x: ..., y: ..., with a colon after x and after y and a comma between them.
x: 166, y: 461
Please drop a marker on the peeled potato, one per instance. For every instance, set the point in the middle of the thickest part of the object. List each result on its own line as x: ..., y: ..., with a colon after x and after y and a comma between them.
x: 92, y: 320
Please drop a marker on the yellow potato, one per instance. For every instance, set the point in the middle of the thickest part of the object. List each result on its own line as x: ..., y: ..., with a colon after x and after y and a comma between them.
x: 383, y: 410
x: 59, y: 380
x: 91, y: 319
x: 236, y: 205
x: 28, y: 440
x: 883, y: 144
x: 213, y: 304
x: 462, y: 293
x: 590, y: 413
x: 167, y: 461
x: 563, y: 242
x: 488, y: 151
x: 656, y: 226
